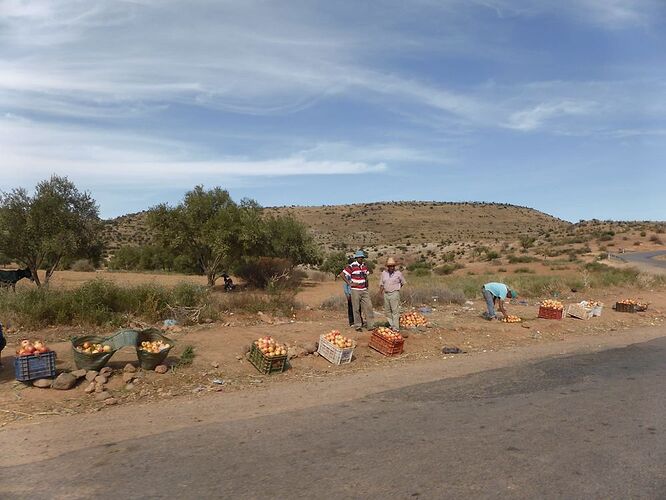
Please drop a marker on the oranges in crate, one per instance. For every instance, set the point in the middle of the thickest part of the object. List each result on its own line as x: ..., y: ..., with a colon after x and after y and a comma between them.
x: 552, y: 304
x: 412, y: 320
x: 270, y: 348
x: 387, y: 333
x: 339, y: 340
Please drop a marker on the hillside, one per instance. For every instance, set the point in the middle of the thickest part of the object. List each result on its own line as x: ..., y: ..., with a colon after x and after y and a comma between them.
x: 382, y: 226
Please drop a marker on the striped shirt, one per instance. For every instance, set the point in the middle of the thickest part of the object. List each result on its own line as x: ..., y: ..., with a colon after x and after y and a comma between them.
x: 357, y: 275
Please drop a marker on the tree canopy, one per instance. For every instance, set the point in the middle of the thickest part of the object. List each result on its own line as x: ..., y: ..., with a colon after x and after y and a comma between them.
x: 220, y: 234
x: 58, y: 221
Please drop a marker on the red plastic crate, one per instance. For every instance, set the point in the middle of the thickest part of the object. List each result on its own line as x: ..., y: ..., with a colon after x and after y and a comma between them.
x: 548, y: 313
x: 385, y: 346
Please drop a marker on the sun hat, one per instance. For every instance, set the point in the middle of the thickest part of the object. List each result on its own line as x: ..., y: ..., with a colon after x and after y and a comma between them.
x: 359, y: 254
x: 390, y: 261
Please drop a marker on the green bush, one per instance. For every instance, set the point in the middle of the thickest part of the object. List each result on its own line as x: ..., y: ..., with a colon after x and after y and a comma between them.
x: 521, y: 259
x: 82, y: 265
x: 446, y: 269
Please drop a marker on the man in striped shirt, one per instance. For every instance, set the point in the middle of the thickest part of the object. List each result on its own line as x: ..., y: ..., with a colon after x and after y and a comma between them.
x: 356, y: 276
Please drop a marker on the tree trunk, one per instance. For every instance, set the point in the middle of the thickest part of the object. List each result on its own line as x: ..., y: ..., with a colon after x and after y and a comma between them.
x: 35, y: 276
x: 212, y: 278
x: 50, y: 271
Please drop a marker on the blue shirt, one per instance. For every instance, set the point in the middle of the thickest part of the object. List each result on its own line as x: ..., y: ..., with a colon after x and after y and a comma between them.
x: 499, y: 290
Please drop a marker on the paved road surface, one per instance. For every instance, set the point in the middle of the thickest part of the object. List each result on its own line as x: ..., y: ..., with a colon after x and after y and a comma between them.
x: 645, y: 258
x: 586, y: 426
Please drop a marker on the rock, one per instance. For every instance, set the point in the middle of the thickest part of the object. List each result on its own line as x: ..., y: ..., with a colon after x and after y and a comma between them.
x: 127, y: 377
x: 42, y: 383
x: 110, y: 401
x: 129, y: 387
x: 106, y: 371
x: 208, y: 321
x: 101, y: 379
x: 90, y: 388
x: 310, y: 347
x: 215, y: 364
x: 64, y: 381
x: 91, y: 374
x: 265, y: 318
x: 161, y: 369
x: 101, y: 396
x: 99, y: 387
x: 79, y: 373
x: 129, y: 368
x: 296, y: 352
x: 239, y: 357
x: 452, y: 350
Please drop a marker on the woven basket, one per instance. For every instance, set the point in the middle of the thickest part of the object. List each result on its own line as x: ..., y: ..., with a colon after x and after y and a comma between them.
x: 90, y: 361
x: 149, y: 360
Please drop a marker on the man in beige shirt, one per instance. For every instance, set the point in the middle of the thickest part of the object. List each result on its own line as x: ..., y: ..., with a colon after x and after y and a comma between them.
x: 390, y: 283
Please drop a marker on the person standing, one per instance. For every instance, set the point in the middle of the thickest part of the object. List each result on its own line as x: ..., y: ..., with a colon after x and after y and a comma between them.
x: 356, y: 276
x: 347, y: 290
x: 390, y: 283
x: 496, y: 294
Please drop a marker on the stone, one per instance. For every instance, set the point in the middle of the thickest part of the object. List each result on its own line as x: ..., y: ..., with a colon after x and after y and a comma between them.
x: 79, y: 373
x: 239, y: 357
x: 64, y: 381
x: 106, y: 371
x: 310, y: 347
x: 91, y: 374
x: 127, y: 377
x: 110, y: 401
x: 99, y: 387
x: 90, y: 388
x: 101, y: 396
x: 215, y: 364
x: 129, y: 387
x: 161, y: 369
x: 129, y: 368
x: 101, y: 379
x: 42, y: 383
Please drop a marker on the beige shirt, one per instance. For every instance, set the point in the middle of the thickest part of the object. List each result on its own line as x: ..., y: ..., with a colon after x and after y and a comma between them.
x: 391, y: 282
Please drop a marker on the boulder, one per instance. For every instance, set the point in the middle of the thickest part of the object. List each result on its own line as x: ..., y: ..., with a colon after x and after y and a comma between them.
x: 161, y: 369
x: 310, y: 347
x: 129, y: 368
x: 127, y: 377
x: 110, y: 401
x: 90, y: 388
x: 79, y: 373
x: 106, y: 371
x: 91, y: 374
x: 101, y: 379
x: 42, y: 383
x: 64, y: 381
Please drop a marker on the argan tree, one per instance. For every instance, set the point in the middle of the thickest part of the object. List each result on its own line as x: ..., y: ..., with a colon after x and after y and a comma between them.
x: 57, y: 222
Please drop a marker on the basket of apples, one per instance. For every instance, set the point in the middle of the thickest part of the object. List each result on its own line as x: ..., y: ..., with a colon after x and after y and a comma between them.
x: 34, y: 360
x: 336, y: 348
x: 268, y: 356
x: 551, y: 309
x: 152, y: 348
x: 386, y: 341
x: 91, y: 352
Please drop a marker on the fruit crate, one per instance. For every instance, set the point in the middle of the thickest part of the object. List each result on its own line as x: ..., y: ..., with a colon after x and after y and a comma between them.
x: 35, y: 366
x: 333, y: 353
x: 549, y: 313
x: 579, y: 311
x: 630, y: 308
x: 265, y: 364
x: 596, y: 310
x: 385, y: 346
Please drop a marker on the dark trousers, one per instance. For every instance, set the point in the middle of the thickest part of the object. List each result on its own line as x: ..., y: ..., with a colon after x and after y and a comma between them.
x: 350, y: 310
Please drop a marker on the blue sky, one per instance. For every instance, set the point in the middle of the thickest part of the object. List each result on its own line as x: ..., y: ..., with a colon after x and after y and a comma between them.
x: 555, y: 104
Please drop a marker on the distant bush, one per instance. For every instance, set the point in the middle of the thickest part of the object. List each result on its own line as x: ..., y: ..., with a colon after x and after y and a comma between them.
x: 521, y: 259
x: 524, y: 270
x: 656, y: 239
x: 270, y: 273
x: 445, y: 269
x: 152, y: 258
x: 421, y: 264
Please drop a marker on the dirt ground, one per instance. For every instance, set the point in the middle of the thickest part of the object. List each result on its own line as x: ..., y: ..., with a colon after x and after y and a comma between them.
x: 220, y: 364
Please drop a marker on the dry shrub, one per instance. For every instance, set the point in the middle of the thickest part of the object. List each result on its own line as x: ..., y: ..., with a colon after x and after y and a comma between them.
x: 334, y: 303
x: 82, y: 266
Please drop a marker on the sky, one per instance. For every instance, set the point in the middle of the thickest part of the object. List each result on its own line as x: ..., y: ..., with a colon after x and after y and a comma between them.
x: 559, y: 105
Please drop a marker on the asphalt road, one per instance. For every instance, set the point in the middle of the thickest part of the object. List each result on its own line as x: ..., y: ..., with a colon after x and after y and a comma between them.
x: 647, y: 258
x: 586, y: 426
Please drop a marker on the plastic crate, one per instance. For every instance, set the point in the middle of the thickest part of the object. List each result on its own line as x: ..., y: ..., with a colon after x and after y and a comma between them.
x: 630, y: 308
x: 265, y: 364
x: 548, y: 313
x: 385, y: 346
x: 579, y: 311
x: 333, y: 353
x: 36, y: 366
x: 597, y: 310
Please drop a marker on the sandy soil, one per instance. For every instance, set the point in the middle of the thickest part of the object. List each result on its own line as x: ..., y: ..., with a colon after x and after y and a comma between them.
x: 220, y: 347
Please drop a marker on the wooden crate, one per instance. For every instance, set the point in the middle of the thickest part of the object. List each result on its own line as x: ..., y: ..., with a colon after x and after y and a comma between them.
x: 384, y: 346
x: 548, y: 313
x: 579, y: 311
